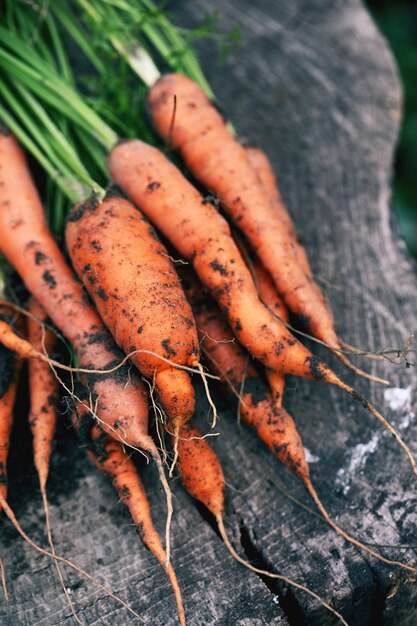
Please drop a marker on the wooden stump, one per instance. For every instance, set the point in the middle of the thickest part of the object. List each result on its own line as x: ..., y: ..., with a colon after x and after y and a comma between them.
x: 315, y: 86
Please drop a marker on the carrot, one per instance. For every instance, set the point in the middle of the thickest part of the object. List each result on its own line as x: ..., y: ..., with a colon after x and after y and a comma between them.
x: 202, y: 236
x: 118, y: 399
x: 273, y: 425
x: 43, y: 389
x: 202, y: 476
x: 109, y: 456
x: 271, y: 299
x: 130, y: 277
x: 10, y: 366
x: 221, y: 163
x: 263, y: 168
x: 44, y: 393
x: 27, y: 243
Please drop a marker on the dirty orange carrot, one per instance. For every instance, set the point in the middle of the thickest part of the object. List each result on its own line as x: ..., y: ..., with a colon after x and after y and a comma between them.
x: 202, y: 476
x: 269, y: 296
x: 118, y: 399
x: 202, y: 236
x: 220, y: 162
x: 263, y: 168
x: 273, y: 425
x: 227, y: 358
x: 134, y: 285
x: 44, y: 395
x: 43, y: 389
x: 109, y: 456
x: 10, y: 365
x: 266, y: 175
x: 27, y: 243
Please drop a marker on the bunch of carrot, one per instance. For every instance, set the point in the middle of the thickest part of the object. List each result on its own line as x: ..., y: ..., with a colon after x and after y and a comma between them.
x: 139, y: 334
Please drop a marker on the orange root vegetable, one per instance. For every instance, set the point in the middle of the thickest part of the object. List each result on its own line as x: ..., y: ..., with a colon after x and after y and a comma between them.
x: 43, y: 389
x: 131, y: 279
x: 271, y: 299
x: 224, y: 167
x: 273, y: 425
x: 202, y: 476
x: 10, y: 365
x: 25, y: 240
x: 118, y: 400
x: 109, y: 456
x: 263, y: 168
x: 202, y: 236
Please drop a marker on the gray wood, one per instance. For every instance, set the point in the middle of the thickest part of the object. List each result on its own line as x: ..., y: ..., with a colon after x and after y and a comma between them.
x: 315, y: 86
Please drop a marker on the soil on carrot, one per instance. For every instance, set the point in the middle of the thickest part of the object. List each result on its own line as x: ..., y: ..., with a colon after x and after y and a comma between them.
x: 7, y: 369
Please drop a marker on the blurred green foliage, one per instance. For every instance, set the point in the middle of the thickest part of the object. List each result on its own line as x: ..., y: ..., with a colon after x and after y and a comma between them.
x: 397, y: 19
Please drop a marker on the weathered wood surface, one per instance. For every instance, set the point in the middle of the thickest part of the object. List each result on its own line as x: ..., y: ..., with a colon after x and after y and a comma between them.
x: 314, y: 85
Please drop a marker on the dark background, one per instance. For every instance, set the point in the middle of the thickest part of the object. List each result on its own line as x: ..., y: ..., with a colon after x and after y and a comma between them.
x: 397, y: 19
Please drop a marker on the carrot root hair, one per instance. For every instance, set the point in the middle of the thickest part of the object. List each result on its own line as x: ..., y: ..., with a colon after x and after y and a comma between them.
x: 176, y: 437
x: 213, y: 407
x: 168, y: 494
x: 6, y: 508
x: 280, y: 577
x: 376, y: 379
x: 348, y: 537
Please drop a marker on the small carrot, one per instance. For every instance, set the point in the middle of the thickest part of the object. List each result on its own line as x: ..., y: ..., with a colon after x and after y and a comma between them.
x: 202, y: 236
x: 271, y: 299
x: 109, y: 456
x: 202, y: 476
x: 273, y: 425
x: 43, y: 390
x: 263, y: 168
x: 221, y: 163
x: 10, y: 365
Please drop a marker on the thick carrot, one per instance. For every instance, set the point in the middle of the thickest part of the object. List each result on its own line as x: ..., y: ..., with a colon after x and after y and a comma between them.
x: 118, y: 399
x: 10, y: 365
x: 109, y: 456
x: 130, y: 277
x: 202, y: 476
x: 25, y: 240
x: 221, y: 163
x: 201, y: 235
x: 273, y: 425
